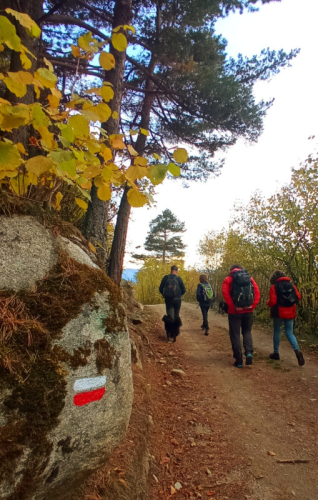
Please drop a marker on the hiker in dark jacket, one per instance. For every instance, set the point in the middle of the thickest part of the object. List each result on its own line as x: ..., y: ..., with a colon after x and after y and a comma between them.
x: 205, y: 296
x: 241, y: 295
x: 172, y: 288
x: 283, y: 300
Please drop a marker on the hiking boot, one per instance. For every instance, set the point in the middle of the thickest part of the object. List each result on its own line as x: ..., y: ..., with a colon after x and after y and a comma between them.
x: 274, y: 356
x: 249, y: 359
x: 238, y: 364
x: 206, y: 332
x: 300, y: 357
x: 202, y: 327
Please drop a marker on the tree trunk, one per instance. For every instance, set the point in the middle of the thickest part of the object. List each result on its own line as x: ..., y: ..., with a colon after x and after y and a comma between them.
x: 96, y: 218
x: 34, y: 9
x: 164, y: 247
x: 116, y: 261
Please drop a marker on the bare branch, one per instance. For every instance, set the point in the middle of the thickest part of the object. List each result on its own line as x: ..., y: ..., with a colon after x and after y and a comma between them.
x: 68, y: 20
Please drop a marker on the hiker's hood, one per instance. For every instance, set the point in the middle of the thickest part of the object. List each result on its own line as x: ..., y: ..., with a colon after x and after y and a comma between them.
x: 235, y: 270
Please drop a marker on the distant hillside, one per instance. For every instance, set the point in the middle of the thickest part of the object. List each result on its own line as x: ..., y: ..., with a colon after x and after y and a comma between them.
x: 130, y: 274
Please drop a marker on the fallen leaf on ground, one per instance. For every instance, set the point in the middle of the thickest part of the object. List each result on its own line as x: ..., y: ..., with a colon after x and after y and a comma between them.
x: 271, y: 453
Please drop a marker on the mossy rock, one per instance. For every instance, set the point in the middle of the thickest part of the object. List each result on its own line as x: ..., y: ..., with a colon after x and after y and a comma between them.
x: 65, y: 377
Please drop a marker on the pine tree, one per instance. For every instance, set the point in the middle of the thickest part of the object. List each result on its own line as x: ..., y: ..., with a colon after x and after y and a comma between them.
x: 162, y: 239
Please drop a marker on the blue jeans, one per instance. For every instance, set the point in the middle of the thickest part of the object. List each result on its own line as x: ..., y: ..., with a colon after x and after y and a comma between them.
x: 288, y: 326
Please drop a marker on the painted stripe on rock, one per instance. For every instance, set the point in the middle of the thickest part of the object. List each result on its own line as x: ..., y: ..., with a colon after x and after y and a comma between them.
x: 89, y: 384
x: 88, y: 397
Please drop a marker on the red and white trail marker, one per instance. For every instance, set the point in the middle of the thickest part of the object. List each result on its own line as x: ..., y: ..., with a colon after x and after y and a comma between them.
x: 89, y: 390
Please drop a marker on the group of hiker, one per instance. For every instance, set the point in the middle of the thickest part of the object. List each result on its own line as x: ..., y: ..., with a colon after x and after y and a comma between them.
x: 241, y: 296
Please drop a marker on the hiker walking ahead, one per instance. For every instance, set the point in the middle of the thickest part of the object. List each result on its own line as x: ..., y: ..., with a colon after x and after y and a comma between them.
x: 205, y: 296
x: 172, y: 288
x: 283, y: 300
x: 241, y: 295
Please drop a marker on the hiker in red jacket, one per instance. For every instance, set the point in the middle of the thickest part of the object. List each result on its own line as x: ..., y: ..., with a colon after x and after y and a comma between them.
x: 283, y: 300
x: 241, y: 295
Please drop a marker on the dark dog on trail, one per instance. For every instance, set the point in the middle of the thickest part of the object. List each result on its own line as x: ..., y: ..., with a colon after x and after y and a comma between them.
x: 222, y: 307
x: 172, y: 327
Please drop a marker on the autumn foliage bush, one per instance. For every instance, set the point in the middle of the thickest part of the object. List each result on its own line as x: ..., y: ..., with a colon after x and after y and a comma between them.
x: 66, y: 143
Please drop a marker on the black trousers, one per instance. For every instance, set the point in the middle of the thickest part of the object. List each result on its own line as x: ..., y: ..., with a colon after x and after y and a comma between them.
x: 173, y: 308
x: 205, y: 311
x: 237, y: 323
x: 172, y: 320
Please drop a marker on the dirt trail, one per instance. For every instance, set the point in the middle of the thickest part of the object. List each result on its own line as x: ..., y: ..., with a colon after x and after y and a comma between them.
x: 259, y: 415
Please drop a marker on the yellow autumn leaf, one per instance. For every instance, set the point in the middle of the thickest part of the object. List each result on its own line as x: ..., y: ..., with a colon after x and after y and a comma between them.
x: 25, y: 61
x: 14, y: 116
x: 7, y: 173
x: 91, y: 172
x: 58, y: 199
x: 10, y: 158
x: 48, y: 64
x: 81, y: 203
x: 47, y: 137
x: 131, y: 150
x: 46, y: 77
x: 104, y: 192
x: 144, y: 131
x: 136, y: 198
x: 136, y: 172
x: 21, y: 77
x: 107, y: 93
x: 86, y: 185
x: 107, y: 154
x: 19, y: 89
x: 38, y: 165
x: 103, y: 110
x: 125, y: 27
x: 91, y: 247
x: 119, y: 42
x: 21, y: 148
x: 8, y: 34
x: 116, y: 141
x: 133, y: 132
x: 88, y: 43
x: 26, y: 22
x: 156, y: 157
x: 80, y: 126
x: 39, y: 118
x: 140, y: 160
x: 76, y: 51
x: 115, y: 115
x: 53, y: 101
x: 107, y: 61
x: 130, y: 28
x: 20, y: 184
x: 174, y: 169
x: 180, y: 155
x: 93, y: 146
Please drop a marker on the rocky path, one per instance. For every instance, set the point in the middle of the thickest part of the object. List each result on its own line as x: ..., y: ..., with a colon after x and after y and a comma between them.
x: 219, y: 431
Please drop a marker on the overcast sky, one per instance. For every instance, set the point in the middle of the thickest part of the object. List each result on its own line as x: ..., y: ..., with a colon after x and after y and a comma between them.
x: 284, y: 143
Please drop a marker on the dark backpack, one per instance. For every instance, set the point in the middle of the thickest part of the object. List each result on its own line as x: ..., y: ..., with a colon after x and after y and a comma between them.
x: 171, y: 288
x: 242, y: 289
x: 286, y: 294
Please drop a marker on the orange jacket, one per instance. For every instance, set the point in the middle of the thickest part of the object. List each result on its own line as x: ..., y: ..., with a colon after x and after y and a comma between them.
x: 227, y: 289
x: 279, y: 311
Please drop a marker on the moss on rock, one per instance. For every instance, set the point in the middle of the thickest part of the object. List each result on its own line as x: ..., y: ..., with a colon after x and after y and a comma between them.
x: 31, y: 366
